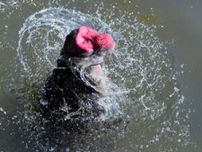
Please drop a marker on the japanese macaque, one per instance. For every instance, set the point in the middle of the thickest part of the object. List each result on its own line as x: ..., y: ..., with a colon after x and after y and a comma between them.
x: 78, y: 80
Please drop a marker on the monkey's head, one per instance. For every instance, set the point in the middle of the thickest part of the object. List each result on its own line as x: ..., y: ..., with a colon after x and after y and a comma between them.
x: 84, y: 52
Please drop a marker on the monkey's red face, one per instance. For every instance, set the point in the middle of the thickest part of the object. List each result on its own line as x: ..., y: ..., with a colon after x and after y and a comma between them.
x: 84, y: 51
x: 89, y: 40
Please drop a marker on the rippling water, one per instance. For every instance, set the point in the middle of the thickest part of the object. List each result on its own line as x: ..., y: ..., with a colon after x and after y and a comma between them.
x: 142, y: 67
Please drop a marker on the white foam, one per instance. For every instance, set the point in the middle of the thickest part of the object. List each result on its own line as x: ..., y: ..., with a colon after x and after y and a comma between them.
x: 3, y: 111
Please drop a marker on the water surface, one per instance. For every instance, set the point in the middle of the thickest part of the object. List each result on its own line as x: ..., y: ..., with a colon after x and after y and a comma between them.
x: 157, y: 79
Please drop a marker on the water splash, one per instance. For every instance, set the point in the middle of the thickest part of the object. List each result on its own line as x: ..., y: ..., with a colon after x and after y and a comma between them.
x: 42, y: 36
x: 147, y: 70
x: 143, y: 70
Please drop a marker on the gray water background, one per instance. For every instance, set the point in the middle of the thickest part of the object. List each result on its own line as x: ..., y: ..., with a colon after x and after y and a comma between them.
x: 181, y: 24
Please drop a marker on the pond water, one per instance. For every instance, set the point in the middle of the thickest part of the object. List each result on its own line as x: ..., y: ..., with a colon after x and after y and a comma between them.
x: 155, y: 66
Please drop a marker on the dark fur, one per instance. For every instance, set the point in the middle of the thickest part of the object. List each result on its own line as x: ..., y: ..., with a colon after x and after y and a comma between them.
x: 65, y: 85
